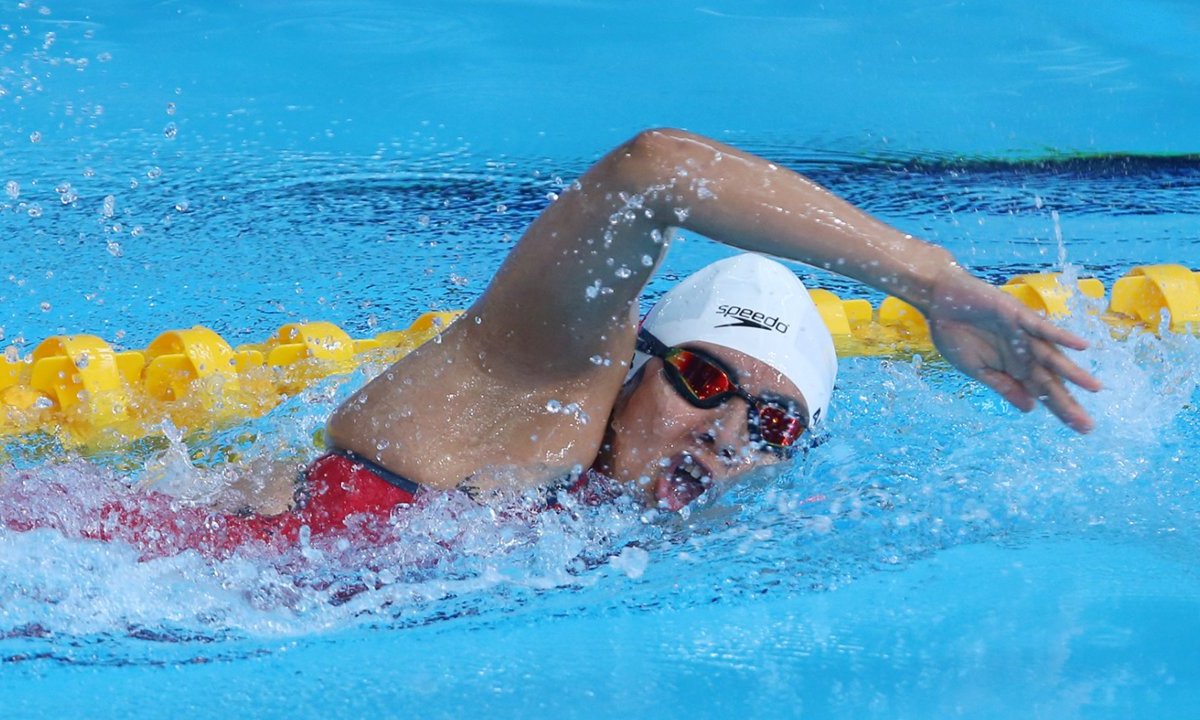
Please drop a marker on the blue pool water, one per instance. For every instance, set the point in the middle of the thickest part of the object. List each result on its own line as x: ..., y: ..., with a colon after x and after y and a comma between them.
x: 167, y: 164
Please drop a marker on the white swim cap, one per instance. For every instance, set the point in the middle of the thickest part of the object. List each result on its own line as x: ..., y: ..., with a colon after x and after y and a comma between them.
x: 759, y: 307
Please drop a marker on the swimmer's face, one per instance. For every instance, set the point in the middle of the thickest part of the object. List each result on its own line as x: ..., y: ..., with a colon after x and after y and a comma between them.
x: 672, y: 451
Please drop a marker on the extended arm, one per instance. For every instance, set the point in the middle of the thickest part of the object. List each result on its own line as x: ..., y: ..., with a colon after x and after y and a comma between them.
x: 567, y: 291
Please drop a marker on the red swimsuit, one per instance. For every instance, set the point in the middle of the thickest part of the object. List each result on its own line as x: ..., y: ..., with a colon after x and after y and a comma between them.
x: 336, y: 486
x: 339, y: 491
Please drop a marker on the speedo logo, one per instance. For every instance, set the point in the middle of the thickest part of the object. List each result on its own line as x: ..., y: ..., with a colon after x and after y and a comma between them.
x: 747, y: 317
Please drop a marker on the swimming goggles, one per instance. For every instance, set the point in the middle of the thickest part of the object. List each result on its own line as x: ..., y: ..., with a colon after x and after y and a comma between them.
x: 706, y: 382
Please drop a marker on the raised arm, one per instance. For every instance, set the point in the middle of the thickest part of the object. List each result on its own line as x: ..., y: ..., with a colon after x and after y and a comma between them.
x: 568, y: 291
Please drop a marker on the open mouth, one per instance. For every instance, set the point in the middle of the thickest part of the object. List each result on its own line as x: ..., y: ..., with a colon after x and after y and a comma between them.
x: 682, y: 481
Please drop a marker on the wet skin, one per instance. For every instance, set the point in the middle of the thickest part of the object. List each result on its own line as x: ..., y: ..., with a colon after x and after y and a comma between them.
x: 486, y: 401
x: 669, y: 451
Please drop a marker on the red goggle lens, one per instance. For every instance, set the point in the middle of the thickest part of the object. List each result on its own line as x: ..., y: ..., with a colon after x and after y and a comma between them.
x: 709, y: 385
x: 778, y: 426
x: 702, y: 378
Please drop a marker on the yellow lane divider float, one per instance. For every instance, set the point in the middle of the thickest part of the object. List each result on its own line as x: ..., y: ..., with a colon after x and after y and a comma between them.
x: 90, y: 396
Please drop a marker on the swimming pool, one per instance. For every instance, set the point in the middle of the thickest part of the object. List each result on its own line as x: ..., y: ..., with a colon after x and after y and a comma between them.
x: 243, y: 167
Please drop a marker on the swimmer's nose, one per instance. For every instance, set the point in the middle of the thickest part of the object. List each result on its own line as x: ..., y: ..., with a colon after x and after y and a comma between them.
x: 734, y: 430
x: 726, y: 444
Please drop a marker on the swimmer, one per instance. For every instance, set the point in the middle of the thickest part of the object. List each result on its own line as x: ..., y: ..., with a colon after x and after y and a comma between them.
x: 551, y: 375
x: 539, y: 379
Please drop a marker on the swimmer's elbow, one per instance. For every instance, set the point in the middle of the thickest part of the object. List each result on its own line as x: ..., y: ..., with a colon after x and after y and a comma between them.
x: 651, y: 157
x: 657, y: 143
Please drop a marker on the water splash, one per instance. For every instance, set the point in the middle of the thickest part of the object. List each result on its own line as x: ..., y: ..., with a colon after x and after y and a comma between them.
x: 917, y: 460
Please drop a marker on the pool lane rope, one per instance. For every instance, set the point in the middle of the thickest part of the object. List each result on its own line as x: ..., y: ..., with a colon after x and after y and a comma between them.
x: 90, y: 397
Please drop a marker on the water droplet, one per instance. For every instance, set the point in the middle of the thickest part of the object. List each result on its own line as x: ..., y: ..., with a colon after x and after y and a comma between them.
x: 170, y: 108
x: 501, y: 208
x: 66, y: 194
x: 623, y: 272
x: 647, y: 261
x: 35, y: 210
x: 45, y: 306
x: 12, y: 189
x: 104, y: 57
x: 154, y: 173
x: 109, y: 208
x: 554, y: 406
x: 170, y: 131
x: 35, y: 137
x: 632, y: 561
x: 114, y: 249
x: 182, y: 206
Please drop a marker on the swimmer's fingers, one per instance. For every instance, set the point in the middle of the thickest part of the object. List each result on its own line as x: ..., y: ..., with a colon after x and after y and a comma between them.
x: 1051, y: 391
x: 1061, y: 366
x: 1043, y: 381
x: 994, y: 339
x: 1040, y: 327
x: 1008, y: 388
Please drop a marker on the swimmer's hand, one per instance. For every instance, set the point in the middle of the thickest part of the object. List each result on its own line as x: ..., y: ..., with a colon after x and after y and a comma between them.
x: 996, y: 340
